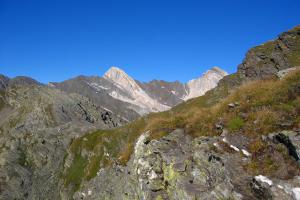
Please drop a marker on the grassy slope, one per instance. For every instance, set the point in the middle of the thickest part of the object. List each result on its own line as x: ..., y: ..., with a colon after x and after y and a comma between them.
x: 262, y: 105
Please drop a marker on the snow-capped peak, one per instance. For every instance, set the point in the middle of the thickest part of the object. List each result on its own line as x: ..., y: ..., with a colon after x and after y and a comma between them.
x: 209, y: 80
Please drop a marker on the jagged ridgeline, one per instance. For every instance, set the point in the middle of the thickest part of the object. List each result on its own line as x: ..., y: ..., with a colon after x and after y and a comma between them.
x: 240, y: 140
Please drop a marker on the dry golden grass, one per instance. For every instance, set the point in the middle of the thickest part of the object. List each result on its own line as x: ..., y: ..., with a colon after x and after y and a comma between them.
x: 125, y: 154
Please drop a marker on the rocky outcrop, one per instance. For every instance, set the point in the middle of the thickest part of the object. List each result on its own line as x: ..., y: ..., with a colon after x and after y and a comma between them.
x: 269, y: 58
x: 180, y: 167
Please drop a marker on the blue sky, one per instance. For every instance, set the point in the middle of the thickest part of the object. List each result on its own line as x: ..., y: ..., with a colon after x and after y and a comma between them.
x: 53, y: 40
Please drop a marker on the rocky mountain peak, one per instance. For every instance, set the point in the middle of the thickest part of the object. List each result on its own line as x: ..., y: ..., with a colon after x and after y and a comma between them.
x: 122, y: 79
x: 199, y: 86
x: 218, y: 70
x: 114, y: 71
x: 137, y: 96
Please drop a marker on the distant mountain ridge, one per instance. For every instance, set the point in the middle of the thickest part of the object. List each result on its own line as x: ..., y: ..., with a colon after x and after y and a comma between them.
x: 119, y: 93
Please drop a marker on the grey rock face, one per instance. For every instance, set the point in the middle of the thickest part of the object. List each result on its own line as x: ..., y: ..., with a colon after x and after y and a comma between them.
x: 180, y: 167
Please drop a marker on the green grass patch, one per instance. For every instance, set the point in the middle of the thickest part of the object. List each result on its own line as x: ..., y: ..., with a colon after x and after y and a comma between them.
x: 236, y: 124
x: 76, y: 172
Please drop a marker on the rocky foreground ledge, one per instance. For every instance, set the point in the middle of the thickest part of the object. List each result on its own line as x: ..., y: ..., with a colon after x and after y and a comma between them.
x: 178, y: 166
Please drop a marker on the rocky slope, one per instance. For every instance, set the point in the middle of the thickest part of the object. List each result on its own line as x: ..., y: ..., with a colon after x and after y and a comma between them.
x: 37, y: 124
x: 97, y: 89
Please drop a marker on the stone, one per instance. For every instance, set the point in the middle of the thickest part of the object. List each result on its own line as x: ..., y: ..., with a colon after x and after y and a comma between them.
x: 282, y: 73
x: 296, y: 193
x: 231, y: 105
x: 285, y: 140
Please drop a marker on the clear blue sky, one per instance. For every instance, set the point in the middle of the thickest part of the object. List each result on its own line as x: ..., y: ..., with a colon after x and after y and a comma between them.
x: 53, y: 40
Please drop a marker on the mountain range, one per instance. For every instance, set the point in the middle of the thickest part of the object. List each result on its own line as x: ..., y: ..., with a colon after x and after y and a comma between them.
x: 117, y: 92
x: 215, y: 137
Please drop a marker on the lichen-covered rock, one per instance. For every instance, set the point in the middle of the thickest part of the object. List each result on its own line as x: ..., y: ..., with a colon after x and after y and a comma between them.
x: 178, y: 166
